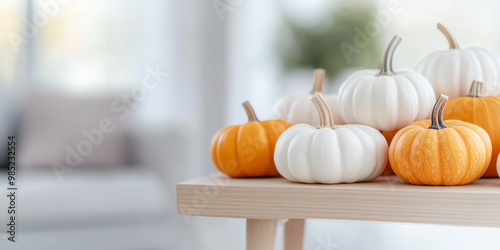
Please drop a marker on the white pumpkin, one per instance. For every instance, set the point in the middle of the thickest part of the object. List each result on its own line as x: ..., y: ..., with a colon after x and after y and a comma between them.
x: 330, y: 154
x: 452, y: 71
x: 385, y: 99
x: 297, y: 108
x: 498, y: 164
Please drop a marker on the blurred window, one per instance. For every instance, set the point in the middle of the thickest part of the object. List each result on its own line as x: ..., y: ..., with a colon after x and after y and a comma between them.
x: 11, y: 16
x: 93, y: 46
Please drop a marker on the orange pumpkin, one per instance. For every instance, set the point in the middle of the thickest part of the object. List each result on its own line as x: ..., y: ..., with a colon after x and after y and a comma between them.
x: 247, y: 150
x: 482, y: 111
x: 433, y: 152
x: 389, y: 135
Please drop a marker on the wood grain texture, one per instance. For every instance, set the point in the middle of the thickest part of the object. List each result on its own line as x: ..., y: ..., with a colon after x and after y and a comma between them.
x: 294, y: 234
x: 261, y: 234
x: 385, y: 199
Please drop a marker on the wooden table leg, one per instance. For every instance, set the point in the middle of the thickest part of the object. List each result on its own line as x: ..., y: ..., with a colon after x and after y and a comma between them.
x: 261, y: 234
x: 294, y: 234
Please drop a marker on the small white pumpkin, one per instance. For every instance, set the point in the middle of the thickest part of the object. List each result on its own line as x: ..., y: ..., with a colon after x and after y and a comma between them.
x: 498, y: 164
x: 297, y: 108
x: 330, y: 154
x: 452, y: 71
x: 385, y: 99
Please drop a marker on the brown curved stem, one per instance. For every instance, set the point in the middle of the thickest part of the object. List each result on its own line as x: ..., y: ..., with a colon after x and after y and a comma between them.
x: 325, y: 114
x: 321, y: 112
x: 451, y: 39
x: 386, y: 63
x: 328, y: 112
x: 437, y: 113
x: 250, y: 112
x: 319, y: 78
x: 476, y: 89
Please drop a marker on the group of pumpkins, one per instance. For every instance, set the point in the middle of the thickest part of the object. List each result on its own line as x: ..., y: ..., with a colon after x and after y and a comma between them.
x: 304, y: 144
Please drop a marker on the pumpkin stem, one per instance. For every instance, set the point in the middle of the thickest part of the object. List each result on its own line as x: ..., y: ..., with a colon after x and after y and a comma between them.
x: 476, y: 89
x: 325, y: 114
x: 437, y: 113
x: 451, y: 40
x: 321, y: 112
x: 386, y: 63
x: 250, y: 112
x: 319, y: 77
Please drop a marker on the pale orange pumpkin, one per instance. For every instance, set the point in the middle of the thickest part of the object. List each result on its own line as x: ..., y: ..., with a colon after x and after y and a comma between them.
x: 247, y: 150
x: 389, y: 135
x: 482, y: 111
x: 433, y: 152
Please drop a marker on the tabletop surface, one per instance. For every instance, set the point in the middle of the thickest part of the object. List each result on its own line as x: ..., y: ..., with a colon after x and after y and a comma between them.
x: 387, y: 198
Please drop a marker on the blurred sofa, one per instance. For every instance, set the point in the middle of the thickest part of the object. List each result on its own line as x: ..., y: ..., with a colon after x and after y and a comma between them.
x: 105, y: 201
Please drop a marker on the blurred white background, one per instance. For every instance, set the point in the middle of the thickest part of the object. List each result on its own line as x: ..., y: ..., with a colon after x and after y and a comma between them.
x: 64, y: 64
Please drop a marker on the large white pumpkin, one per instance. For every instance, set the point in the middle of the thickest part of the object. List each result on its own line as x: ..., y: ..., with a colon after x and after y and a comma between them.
x: 385, y: 99
x: 330, y: 154
x: 452, y: 71
x: 297, y: 108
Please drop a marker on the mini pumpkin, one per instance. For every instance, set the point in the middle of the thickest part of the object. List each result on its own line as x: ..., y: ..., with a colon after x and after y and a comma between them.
x: 386, y: 99
x: 389, y: 135
x: 297, y: 107
x: 451, y: 71
x: 247, y: 150
x: 498, y: 164
x: 330, y: 154
x: 437, y: 152
x: 482, y: 111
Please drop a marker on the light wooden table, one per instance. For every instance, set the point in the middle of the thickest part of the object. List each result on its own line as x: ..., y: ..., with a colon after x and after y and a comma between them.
x: 262, y: 201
